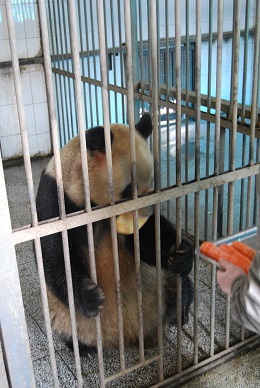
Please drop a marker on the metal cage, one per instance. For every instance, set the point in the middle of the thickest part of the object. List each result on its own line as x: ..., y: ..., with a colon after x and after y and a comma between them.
x: 195, y: 66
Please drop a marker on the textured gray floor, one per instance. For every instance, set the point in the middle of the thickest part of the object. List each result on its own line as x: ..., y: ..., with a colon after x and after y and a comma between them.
x: 241, y: 372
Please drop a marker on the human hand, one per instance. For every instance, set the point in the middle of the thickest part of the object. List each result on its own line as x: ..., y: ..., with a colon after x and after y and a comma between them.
x: 226, y: 278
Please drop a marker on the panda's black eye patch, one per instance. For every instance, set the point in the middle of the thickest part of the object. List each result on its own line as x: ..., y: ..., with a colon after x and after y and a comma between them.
x: 127, y: 192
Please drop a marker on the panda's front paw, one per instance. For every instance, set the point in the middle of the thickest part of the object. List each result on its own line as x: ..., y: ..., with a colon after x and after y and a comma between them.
x: 181, y: 260
x: 92, y: 298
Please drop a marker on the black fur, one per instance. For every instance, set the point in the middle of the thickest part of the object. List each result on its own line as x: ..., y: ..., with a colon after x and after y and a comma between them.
x: 174, y: 261
x: 95, y: 139
x: 145, y: 125
x: 179, y: 261
x: 88, y: 296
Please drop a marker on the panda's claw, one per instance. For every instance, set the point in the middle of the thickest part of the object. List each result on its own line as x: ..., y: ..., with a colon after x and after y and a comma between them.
x: 181, y: 260
x: 92, y: 298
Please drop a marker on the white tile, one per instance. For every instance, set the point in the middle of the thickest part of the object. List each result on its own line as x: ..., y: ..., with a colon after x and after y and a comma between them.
x: 32, y: 27
x: 9, y: 124
x: 3, y: 23
x: 19, y: 21
x: 21, y: 47
x: 30, y: 120
x: 33, y: 145
x: 41, y: 117
x: 11, y: 146
x: 44, y: 143
x: 38, y: 86
x: 26, y: 87
x: 34, y: 47
x: 5, y: 54
x: 7, y: 93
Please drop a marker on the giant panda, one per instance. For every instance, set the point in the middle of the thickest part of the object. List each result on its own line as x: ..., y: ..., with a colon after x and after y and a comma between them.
x: 90, y: 298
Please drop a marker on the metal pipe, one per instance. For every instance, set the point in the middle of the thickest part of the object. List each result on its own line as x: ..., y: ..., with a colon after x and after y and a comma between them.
x: 28, y: 233
x: 128, y: 14
x: 29, y: 178
x: 154, y: 55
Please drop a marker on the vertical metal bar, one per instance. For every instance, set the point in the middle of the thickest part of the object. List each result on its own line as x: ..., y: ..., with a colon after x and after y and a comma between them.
x: 197, y: 167
x: 94, y: 58
x: 233, y: 115
x: 29, y: 178
x: 255, y: 86
x: 208, y: 111
x: 187, y: 3
x: 105, y: 106
x: 82, y: 55
x: 246, y: 36
x: 89, y: 87
x: 134, y: 41
x: 13, y: 330
x: 216, y: 165
x: 58, y: 172
x: 63, y: 62
x: 114, y: 56
x: 178, y: 169
x: 154, y: 54
x: 197, y: 88
x: 121, y: 59
x: 167, y: 73
x: 233, y: 107
x: 129, y: 14
x: 254, y: 105
x: 141, y: 48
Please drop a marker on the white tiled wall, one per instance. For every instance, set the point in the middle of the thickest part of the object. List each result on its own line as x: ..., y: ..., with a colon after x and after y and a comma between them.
x: 36, y: 112
x: 33, y: 82
x: 27, y: 30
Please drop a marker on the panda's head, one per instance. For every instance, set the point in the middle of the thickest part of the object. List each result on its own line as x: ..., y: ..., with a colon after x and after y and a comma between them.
x: 120, y: 143
x: 97, y: 164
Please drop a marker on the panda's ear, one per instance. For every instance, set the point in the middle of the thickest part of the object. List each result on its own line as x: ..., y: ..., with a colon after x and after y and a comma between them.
x: 95, y: 139
x: 145, y: 126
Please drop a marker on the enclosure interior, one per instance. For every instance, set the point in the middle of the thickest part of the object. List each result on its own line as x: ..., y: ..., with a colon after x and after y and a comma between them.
x: 195, y: 67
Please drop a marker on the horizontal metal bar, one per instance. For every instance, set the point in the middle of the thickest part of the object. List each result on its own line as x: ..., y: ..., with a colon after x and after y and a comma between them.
x: 192, y: 97
x: 28, y: 233
x: 132, y: 368
x: 224, y: 123
x: 171, y: 91
x: 210, y: 363
x: 145, y: 44
x: 23, y: 62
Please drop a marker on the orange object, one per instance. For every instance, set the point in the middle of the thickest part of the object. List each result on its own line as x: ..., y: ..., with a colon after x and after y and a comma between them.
x: 213, y: 251
x: 216, y: 252
x: 244, y: 249
x: 242, y: 260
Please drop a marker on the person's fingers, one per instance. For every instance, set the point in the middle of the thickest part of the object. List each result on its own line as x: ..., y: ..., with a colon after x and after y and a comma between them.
x: 224, y: 263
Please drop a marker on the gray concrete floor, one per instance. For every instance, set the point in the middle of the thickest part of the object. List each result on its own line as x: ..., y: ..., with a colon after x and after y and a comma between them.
x: 240, y: 372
